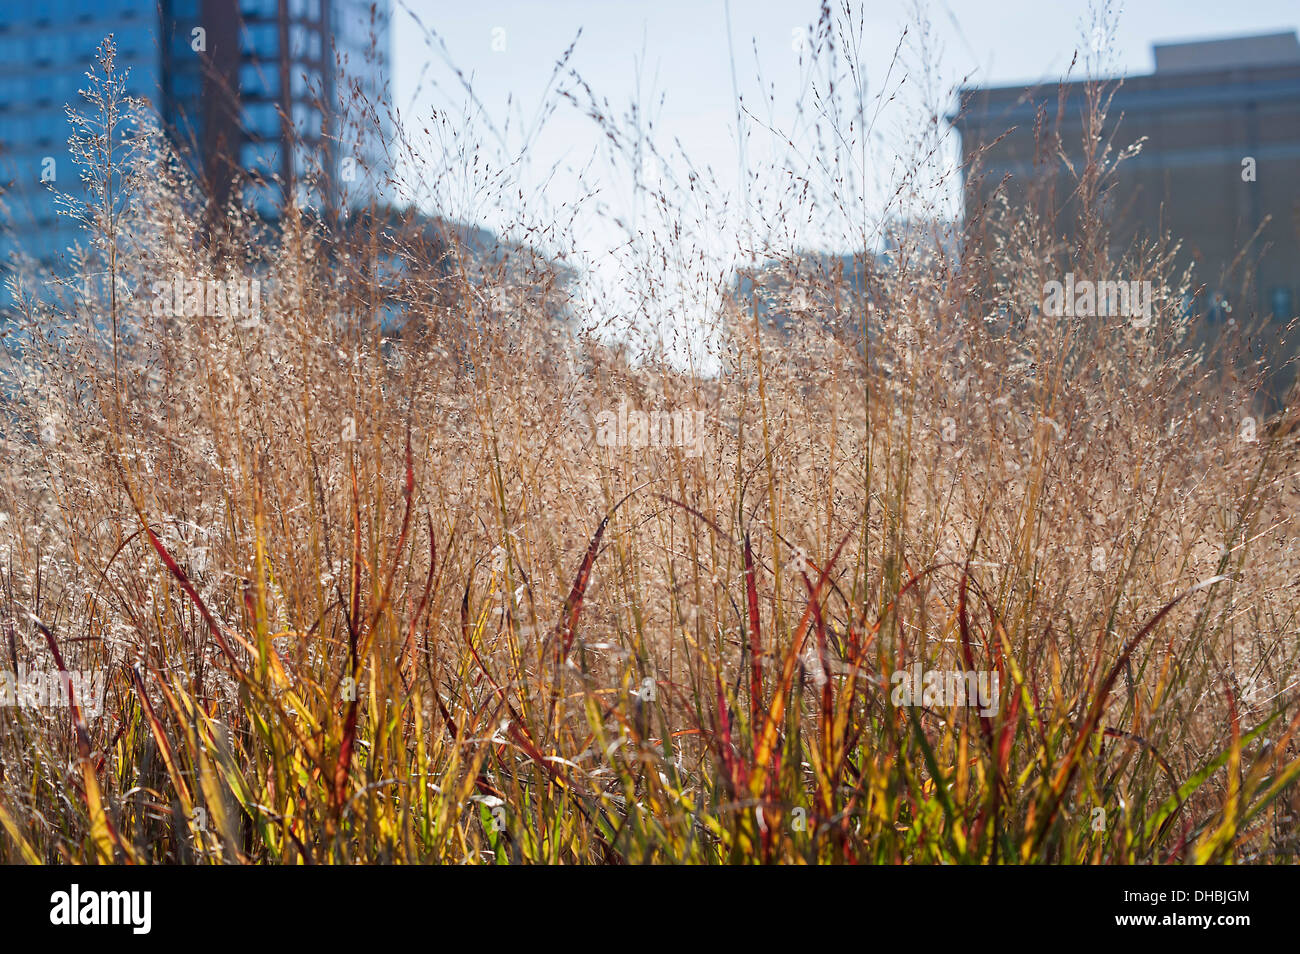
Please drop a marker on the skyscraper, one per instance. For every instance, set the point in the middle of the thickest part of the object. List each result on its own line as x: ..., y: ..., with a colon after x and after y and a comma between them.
x: 45, y: 52
x: 252, y: 90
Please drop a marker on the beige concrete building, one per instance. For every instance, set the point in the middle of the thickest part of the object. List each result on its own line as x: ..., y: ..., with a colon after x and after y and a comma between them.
x: 1219, y: 170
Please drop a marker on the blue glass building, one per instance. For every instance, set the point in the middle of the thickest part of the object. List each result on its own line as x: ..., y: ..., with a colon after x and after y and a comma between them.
x: 248, y: 89
x: 45, y: 51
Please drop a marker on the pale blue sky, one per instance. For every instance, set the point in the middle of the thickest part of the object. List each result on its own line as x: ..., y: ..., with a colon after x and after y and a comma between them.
x: 673, y: 56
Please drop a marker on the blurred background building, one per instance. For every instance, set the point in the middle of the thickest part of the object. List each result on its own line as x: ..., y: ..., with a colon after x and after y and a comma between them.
x: 260, y: 93
x: 1219, y: 169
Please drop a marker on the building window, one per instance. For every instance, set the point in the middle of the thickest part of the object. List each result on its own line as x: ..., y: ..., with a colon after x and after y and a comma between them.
x: 259, y: 8
x: 306, y: 121
x: 262, y: 39
x: 306, y: 83
x: 262, y: 158
x: 1281, y: 301
x: 263, y: 120
x: 1219, y: 308
x: 304, y: 43
x: 259, y: 80
x: 305, y: 10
